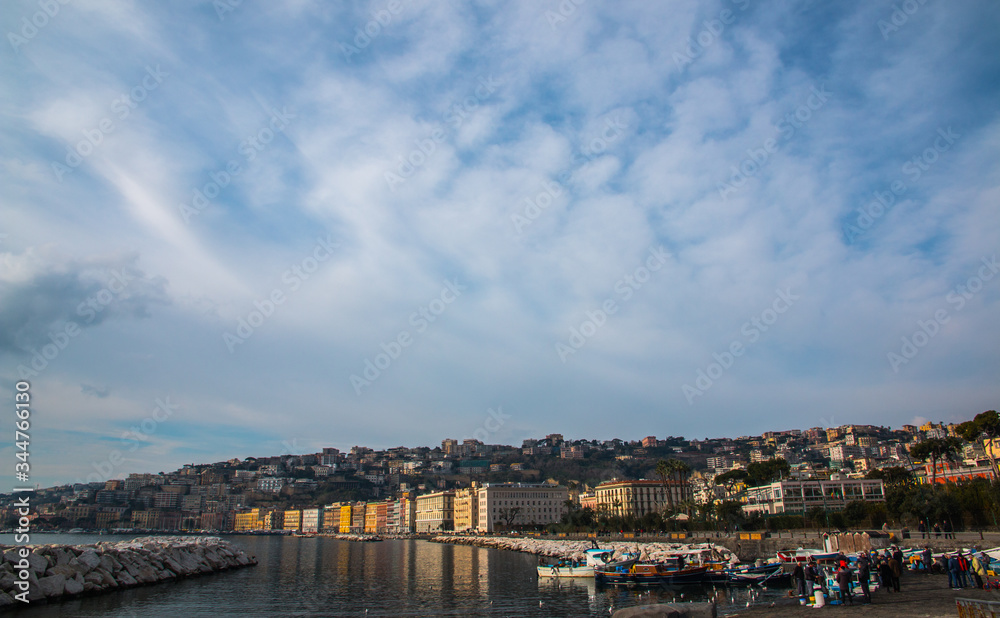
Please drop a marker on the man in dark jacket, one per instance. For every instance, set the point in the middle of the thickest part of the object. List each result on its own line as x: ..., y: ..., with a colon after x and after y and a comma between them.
x: 953, y: 572
x: 799, y: 577
x: 897, y: 571
x: 922, y: 529
x: 844, y: 583
x: 864, y: 573
x: 927, y: 558
x: 885, y: 574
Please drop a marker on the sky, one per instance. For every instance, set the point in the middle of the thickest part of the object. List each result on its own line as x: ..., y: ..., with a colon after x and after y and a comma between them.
x: 245, y: 228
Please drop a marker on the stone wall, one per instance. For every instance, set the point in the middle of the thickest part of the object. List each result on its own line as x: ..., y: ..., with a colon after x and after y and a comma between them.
x: 58, y: 571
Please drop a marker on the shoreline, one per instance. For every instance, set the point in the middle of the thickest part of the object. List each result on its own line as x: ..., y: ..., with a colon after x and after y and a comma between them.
x: 53, y: 572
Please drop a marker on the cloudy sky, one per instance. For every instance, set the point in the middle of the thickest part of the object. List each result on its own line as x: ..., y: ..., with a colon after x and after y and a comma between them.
x: 248, y: 228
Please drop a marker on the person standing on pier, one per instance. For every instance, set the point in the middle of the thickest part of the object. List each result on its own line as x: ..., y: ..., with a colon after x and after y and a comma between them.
x: 885, y: 575
x: 978, y: 570
x: 922, y: 529
x: 799, y: 575
x: 864, y: 574
x: 953, y: 572
x: 844, y: 583
x: 897, y: 571
x: 948, y: 530
x: 928, y: 559
x: 937, y: 530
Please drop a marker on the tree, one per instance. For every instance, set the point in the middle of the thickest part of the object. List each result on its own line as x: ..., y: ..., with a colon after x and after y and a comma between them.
x: 508, y: 515
x: 663, y: 470
x: 766, y: 472
x: 985, y: 426
x: 896, y: 476
x: 681, y: 471
x: 730, y: 479
x: 936, y: 449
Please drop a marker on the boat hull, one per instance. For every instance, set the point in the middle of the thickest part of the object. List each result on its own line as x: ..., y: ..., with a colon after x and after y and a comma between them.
x: 668, y: 578
x: 566, y: 571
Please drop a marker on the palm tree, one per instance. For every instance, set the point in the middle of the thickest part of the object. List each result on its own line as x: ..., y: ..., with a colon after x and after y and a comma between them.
x: 663, y: 470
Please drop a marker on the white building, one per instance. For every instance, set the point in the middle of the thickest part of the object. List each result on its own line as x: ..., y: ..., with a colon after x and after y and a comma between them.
x: 530, y: 504
x: 800, y: 496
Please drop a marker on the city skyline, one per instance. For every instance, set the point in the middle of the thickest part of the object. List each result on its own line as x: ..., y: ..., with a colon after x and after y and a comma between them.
x: 233, y: 228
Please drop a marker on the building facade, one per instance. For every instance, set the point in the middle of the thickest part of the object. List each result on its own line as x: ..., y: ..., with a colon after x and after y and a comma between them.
x: 436, y: 512
x: 512, y: 505
x: 800, y: 496
x: 639, y: 498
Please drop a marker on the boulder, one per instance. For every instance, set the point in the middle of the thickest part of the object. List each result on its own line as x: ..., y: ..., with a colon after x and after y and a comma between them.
x: 52, y: 586
x: 74, y: 586
x: 38, y: 563
x: 89, y: 558
x: 6, y: 599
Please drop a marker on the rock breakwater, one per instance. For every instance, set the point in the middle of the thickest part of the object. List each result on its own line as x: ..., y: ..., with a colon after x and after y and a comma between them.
x: 50, y: 572
x: 574, y: 550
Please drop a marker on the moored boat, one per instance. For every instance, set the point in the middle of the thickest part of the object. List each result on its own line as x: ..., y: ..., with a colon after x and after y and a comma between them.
x: 566, y: 569
x: 652, y: 574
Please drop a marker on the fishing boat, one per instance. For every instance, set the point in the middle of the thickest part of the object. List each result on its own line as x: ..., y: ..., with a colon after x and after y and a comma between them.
x: 652, y: 574
x: 603, y: 559
x: 566, y: 568
x: 805, y: 555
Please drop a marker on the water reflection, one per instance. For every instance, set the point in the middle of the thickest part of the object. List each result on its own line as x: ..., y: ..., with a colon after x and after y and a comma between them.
x: 325, y: 577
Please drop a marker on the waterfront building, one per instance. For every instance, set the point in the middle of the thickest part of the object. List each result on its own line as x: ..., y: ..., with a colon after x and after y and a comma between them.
x: 948, y: 472
x: 357, y: 517
x: 345, y: 518
x: 371, y: 518
x: 467, y: 508
x: 511, y: 505
x: 311, y: 520
x: 435, y: 512
x: 331, y: 518
x: 588, y: 500
x: 293, y: 520
x: 638, y: 498
x: 799, y: 496
x: 247, y: 520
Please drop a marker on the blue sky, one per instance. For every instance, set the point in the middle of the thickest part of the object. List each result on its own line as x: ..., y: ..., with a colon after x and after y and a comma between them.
x: 285, y: 226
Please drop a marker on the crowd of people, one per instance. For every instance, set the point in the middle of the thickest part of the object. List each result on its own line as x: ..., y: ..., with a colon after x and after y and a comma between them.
x: 963, y: 570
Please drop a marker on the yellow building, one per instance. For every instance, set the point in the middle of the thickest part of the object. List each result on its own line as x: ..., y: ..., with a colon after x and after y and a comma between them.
x: 345, y: 518
x: 467, y: 508
x: 248, y: 520
x: 637, y: 498
x: 436, y: 512
x: 371, y: 518
x: 293, y: 520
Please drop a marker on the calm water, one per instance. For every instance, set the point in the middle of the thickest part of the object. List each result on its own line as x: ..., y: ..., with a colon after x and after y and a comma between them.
x: 325, y: 577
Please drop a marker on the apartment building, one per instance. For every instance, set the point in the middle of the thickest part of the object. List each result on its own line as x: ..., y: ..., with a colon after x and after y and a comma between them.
x: 800, y: 496
x: 466, y: 508
x: 520, y: 504
x: 435, y: 512
x: 638, y: 498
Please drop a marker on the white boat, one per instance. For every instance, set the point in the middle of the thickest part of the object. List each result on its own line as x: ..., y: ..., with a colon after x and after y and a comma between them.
x: 566, y: 569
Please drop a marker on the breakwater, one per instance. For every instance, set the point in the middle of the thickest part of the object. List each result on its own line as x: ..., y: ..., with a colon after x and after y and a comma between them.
x: 30, y: 574
x: 574, y: 550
